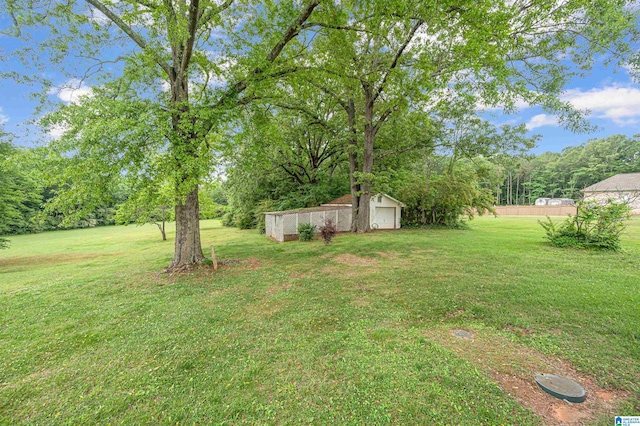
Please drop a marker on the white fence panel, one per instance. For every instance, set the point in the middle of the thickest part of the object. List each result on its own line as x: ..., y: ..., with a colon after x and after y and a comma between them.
x: 289, y: 224
x: 344, y: 220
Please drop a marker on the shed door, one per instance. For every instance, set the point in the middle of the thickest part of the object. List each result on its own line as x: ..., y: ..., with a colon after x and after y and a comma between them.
x: 385, y: 217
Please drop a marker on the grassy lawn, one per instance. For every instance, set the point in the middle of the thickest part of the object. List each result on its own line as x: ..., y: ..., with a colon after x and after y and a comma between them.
x: 302, y: 333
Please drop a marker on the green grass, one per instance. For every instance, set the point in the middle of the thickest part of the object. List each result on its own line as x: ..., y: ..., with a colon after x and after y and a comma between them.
x: 91, y: 333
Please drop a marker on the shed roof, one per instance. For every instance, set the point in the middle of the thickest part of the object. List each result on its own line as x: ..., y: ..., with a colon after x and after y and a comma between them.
x: 345, y: 199
x: 308, y: 210
x: 621, y: 182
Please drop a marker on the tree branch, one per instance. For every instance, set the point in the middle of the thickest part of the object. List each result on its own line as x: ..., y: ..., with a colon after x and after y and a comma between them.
x: 396, y: 58
x: 194, y: 13
x: 289, y: 34
x: 334, y: 27
x: 399, y: 151
x: 205, y: 16
x: 137, y: 39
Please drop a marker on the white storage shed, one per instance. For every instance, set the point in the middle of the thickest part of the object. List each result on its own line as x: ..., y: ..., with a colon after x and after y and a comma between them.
x: 282, y: 226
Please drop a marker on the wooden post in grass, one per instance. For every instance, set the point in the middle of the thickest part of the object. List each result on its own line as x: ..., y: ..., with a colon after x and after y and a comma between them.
x: 213, y: 259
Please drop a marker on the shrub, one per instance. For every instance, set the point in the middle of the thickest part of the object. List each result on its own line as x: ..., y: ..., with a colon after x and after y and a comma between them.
x: 306, y: 231
x: 228, y: 219
x: 262, y: 207
x: 245, y: 219
x: 594, y: 226
x: 443, y: 200
x: 328, y: 230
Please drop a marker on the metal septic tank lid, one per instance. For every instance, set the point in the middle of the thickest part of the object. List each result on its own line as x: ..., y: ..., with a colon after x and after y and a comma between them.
x: 463, y: 334
x: 561, y: 387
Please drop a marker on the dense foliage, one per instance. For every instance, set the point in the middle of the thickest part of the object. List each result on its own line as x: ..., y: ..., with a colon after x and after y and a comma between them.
x: 595, y: 226
x: 19, y: 194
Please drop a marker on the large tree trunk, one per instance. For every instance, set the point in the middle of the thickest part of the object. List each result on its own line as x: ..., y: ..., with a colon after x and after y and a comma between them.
x: 355, y: 189
x: 353, y: 164
x: 188, y: 249
x: 363, y: 220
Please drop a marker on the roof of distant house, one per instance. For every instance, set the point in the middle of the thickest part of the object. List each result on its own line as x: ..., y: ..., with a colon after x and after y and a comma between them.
x: 621, y: 182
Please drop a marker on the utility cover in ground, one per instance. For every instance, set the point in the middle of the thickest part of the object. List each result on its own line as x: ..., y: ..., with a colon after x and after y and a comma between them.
x: 561, y: 387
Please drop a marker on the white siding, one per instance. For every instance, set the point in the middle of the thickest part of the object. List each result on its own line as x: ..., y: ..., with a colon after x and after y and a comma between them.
x: 631, y: 197
x: 383, y: 201
x: 384, y: 217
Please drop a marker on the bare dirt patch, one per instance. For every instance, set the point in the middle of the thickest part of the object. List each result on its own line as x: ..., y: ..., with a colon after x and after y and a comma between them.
x: 264, y: 308
x: 359, y: 302
x: 274, y: 289
x: 455, y: 314
x: 353, y: 260
x: 514, y: 366
x: 235, y: 266
x: 387, y: 254
x: 251, y: 264
x: 296, y: 275
x: 351, y: 266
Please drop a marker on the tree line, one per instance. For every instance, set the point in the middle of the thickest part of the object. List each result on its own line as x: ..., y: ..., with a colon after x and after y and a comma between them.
x: 302, y: 169
x: 565, y: 174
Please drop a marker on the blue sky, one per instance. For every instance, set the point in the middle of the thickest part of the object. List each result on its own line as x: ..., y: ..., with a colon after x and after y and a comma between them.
x: 611, y: 97
x: 610, y: 94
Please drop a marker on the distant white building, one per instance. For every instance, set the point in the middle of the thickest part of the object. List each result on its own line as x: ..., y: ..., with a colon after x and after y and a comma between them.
x: 623, y: 187
x: 282, y: 226
x: 554, y: 202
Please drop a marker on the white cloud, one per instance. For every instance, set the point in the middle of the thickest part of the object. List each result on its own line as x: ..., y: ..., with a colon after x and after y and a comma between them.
x: 541, y: 120
x: 3, y: 117
x: 57, y: 131
x: 71, y: 91
x: 620, y: 104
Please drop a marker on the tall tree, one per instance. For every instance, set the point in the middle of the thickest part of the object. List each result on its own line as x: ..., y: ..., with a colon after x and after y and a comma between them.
x: 168, y: 73
x: 382, y: 58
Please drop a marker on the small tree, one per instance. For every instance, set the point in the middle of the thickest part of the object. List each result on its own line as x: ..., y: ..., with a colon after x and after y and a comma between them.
x: 328, y: 231
x: 306, y: 231
x: 594, y: 226
x: 150, y: 205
